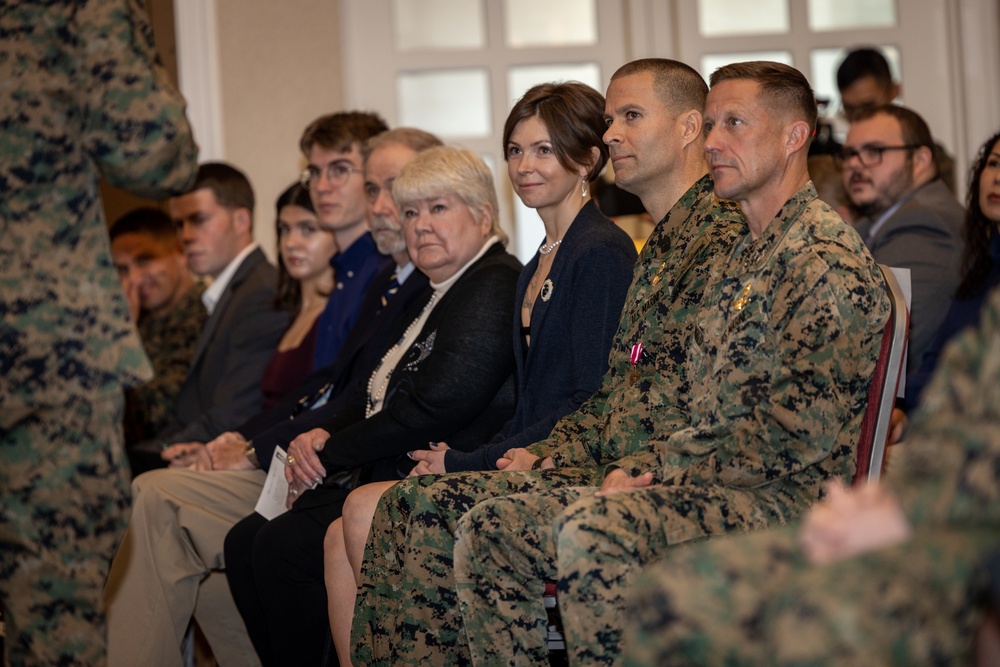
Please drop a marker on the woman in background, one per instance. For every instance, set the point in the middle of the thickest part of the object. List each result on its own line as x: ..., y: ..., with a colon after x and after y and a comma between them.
x: 305, y: 280
x: 980, y: 260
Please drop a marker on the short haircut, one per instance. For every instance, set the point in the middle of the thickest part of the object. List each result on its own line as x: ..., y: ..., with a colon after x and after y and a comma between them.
x: 677, y: 84
x: 339, y: 131
x: 230, y: 186
x: 414, y: 139
x: 783, y: 88
x: 862, y: 62
x: 449, y: 170
x: 573, y: 114
x: 914, y: 128
x: 145, y: 220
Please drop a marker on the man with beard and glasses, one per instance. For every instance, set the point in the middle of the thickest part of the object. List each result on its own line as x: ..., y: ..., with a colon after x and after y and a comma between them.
x: 909, y: 217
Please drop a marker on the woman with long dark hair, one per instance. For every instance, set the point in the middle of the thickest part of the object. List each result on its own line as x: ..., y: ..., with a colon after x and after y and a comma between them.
x: 305, y: 280
x: 980, y: 259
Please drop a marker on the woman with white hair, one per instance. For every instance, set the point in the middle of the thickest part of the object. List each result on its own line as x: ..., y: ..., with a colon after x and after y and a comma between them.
x: 447, y: 378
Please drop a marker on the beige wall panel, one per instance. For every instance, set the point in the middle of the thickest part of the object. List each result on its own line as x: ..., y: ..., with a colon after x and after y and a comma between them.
x: 280, y: 67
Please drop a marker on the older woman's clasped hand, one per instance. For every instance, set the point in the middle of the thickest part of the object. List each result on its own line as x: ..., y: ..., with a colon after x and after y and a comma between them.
x: 303, y: 469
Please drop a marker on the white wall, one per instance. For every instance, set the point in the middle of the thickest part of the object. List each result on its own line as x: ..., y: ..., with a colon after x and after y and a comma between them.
x: 256, y: 73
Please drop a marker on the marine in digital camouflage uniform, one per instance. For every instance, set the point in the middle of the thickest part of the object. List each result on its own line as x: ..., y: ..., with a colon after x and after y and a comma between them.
x: 407, y: 611
x: 169, y: 341
x: 755, y: 600
x: 783, y: 371
x: 81, y: 96
x: 779, y: 366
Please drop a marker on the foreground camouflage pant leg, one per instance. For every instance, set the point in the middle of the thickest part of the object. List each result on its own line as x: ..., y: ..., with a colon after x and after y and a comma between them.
x: 64, y: 500
x: 604, y: 541
x: 504, y: 554
x: 753, y: 600
x: 379, y: 595
x: 508, y: 547
x: 407, y: 612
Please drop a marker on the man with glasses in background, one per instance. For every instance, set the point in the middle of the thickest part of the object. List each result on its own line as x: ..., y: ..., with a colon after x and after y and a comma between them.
x: 865, y: 82
x: 335, y: 178
x: 909, y: 217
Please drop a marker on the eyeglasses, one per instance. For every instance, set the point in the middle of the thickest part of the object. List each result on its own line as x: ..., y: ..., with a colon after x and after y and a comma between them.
x: 868, y: 156
x: 337, y: 173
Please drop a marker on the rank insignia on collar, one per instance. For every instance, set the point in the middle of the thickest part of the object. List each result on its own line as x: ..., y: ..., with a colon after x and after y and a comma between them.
x: 744, y: 298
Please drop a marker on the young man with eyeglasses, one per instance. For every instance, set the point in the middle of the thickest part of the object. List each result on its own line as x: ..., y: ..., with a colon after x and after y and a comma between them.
x: 910, y: 218
x: 332, y: 145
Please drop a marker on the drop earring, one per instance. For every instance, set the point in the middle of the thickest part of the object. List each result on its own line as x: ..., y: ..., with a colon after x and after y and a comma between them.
x: 586, y: 189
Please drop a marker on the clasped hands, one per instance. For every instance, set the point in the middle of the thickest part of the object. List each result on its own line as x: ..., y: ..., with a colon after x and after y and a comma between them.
x: 852, y: 521
x: 432, y: 461
x: 226, y: 452
x: 303, y: 469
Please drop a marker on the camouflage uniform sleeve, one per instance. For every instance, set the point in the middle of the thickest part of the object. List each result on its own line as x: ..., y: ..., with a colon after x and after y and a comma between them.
x: 786, y: 385
x: 170, y: 346
x: 574, y: 436
x: 948, y: 469
x: 135, y: 123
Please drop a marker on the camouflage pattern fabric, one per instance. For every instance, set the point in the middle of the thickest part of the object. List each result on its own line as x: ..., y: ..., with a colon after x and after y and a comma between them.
x: 169, y: 341
x: 81, y: 96
x: 407, y: 611
x: 781, y: 357
x: 755, y: 600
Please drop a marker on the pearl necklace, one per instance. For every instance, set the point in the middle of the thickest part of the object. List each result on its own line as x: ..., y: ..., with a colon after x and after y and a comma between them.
x: 547, y: 248
x: 374, y: 397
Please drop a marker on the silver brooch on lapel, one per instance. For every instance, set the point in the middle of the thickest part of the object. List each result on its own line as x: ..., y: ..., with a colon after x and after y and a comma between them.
x: 547, y: 290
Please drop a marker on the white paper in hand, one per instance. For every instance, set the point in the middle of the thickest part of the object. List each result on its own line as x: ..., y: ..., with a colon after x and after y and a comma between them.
x: 272, y: 497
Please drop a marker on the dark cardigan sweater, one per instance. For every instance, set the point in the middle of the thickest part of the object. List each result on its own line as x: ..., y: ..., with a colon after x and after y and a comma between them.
x: 453, y: 384
x: 571, y: 334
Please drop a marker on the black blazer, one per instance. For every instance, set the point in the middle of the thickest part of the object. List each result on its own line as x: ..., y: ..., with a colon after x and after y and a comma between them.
x: 453, y: 384
x: 372, y: 335
x: 571, y: 334
x: 222, y: 388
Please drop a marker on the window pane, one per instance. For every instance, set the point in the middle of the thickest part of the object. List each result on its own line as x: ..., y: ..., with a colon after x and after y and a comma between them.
x: 449, y: 103
x: 824, y: 64
x: 550, y: 23
x: 713, y: 61
x: 827, y: 15
x: 519, y: 79
x: 439, y: 24
x: 742, y: 17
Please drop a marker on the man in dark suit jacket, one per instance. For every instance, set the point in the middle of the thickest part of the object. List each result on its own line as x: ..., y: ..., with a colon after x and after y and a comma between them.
x: 222, y: 388
x: 911, y: 219
x: 204, y: 504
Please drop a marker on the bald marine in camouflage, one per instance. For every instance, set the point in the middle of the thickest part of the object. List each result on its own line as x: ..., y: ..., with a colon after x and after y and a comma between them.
x: 407, y: 611
x: 757, y: 600
x: 779, y: 366
x: 81, y: 97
